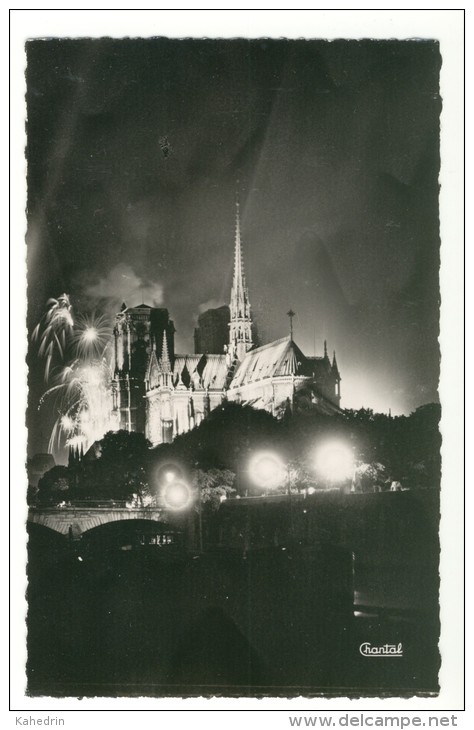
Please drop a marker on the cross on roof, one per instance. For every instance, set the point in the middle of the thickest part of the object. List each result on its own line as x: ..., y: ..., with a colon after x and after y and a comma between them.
x: 291, y: 314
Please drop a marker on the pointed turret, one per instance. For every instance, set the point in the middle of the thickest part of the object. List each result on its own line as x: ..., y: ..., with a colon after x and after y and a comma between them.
x: 165, y: 375
x: 165, y: 357
x: 326, y: 357
x: 336, y: 378
x: 240, y: 327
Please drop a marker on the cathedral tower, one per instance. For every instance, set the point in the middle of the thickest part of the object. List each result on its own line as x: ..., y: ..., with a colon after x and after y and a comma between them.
x: 138, y: 331
x: 240, y: 326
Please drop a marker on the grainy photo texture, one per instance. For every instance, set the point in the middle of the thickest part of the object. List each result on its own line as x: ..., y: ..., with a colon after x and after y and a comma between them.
x: 233, y: 317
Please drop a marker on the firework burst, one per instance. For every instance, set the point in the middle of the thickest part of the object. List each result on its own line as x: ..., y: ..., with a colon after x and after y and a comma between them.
x: 53, y: 329
x: 91, y: 335
x: 83, y: 403
x: 81, y: 389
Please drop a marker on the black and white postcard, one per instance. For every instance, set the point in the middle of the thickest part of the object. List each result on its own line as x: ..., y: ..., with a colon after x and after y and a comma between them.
x: 234, y: 413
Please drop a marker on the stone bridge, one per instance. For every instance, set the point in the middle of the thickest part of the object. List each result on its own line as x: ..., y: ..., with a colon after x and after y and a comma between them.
x: 82, y: 519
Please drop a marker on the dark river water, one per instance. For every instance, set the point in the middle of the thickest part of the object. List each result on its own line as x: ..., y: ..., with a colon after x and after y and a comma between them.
x: 155, y: 621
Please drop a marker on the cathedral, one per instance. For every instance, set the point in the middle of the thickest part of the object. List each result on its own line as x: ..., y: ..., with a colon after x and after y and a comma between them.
x: 163, y: 394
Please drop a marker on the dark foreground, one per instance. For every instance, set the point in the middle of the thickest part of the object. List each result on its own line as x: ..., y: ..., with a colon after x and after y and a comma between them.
x: 278, y: 621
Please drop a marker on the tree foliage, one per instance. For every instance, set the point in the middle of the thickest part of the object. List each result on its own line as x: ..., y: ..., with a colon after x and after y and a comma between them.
x: 54, y: 486
x: 120, y: 470
x: 370, y: 477
x: 407, y: 447
x: 214, y: 485
x: 216, y: 454
x: 224, y: 440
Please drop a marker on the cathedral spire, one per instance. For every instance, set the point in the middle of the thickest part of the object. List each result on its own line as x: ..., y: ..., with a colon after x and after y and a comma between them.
x: 165, y: 373
x: 238, y: 284
x: 336, y: 378
x: 240, y: 334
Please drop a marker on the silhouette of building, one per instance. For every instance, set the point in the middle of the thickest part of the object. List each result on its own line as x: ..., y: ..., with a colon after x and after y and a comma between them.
x: 164, y: 394
x: 212, y: 333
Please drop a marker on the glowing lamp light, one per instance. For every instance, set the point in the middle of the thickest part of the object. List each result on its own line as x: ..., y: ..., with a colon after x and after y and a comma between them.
x: 335, y: 462
x: 176, y: 496
x: 267, y: 470
x: 168, y: 473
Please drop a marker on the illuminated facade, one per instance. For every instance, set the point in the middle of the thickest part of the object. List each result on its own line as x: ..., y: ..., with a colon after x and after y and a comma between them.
x: 164, y: 394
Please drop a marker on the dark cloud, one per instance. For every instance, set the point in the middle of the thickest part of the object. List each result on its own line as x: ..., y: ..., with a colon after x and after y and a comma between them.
x: 134, y: 150
x: 122, y: 285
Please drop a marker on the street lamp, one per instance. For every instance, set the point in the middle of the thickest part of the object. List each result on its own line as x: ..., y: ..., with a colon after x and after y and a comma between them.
x: 267, y: 470
x: 168, y: 473
x: 176, y: 495
x: 173, y: 488
x: 335, y: 462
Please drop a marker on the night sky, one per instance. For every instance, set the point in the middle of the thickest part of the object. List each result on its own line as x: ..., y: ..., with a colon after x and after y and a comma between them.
x: 134, y: 151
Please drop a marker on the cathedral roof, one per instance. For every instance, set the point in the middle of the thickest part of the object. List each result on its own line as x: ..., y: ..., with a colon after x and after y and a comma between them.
x: 204, y: 371
x: 318, y: 365
x: 125, y: 308
x: 280, y: 358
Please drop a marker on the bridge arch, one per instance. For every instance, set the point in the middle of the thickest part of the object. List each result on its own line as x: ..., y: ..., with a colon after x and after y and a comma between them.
x: 127, y: 534
x: 44, y: 534
x: 83, y: 519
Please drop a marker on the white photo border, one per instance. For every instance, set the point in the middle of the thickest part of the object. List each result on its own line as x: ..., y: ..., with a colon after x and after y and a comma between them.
x: 448, y: 27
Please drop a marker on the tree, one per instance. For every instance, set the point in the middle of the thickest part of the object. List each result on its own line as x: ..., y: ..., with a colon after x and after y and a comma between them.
x: 137, y: 487
x: 213, y: 486
x: 124, y: 446
x: 120, y: 471
x: 370, y: 477
x: 224, y: 440
x: 54, y: 486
